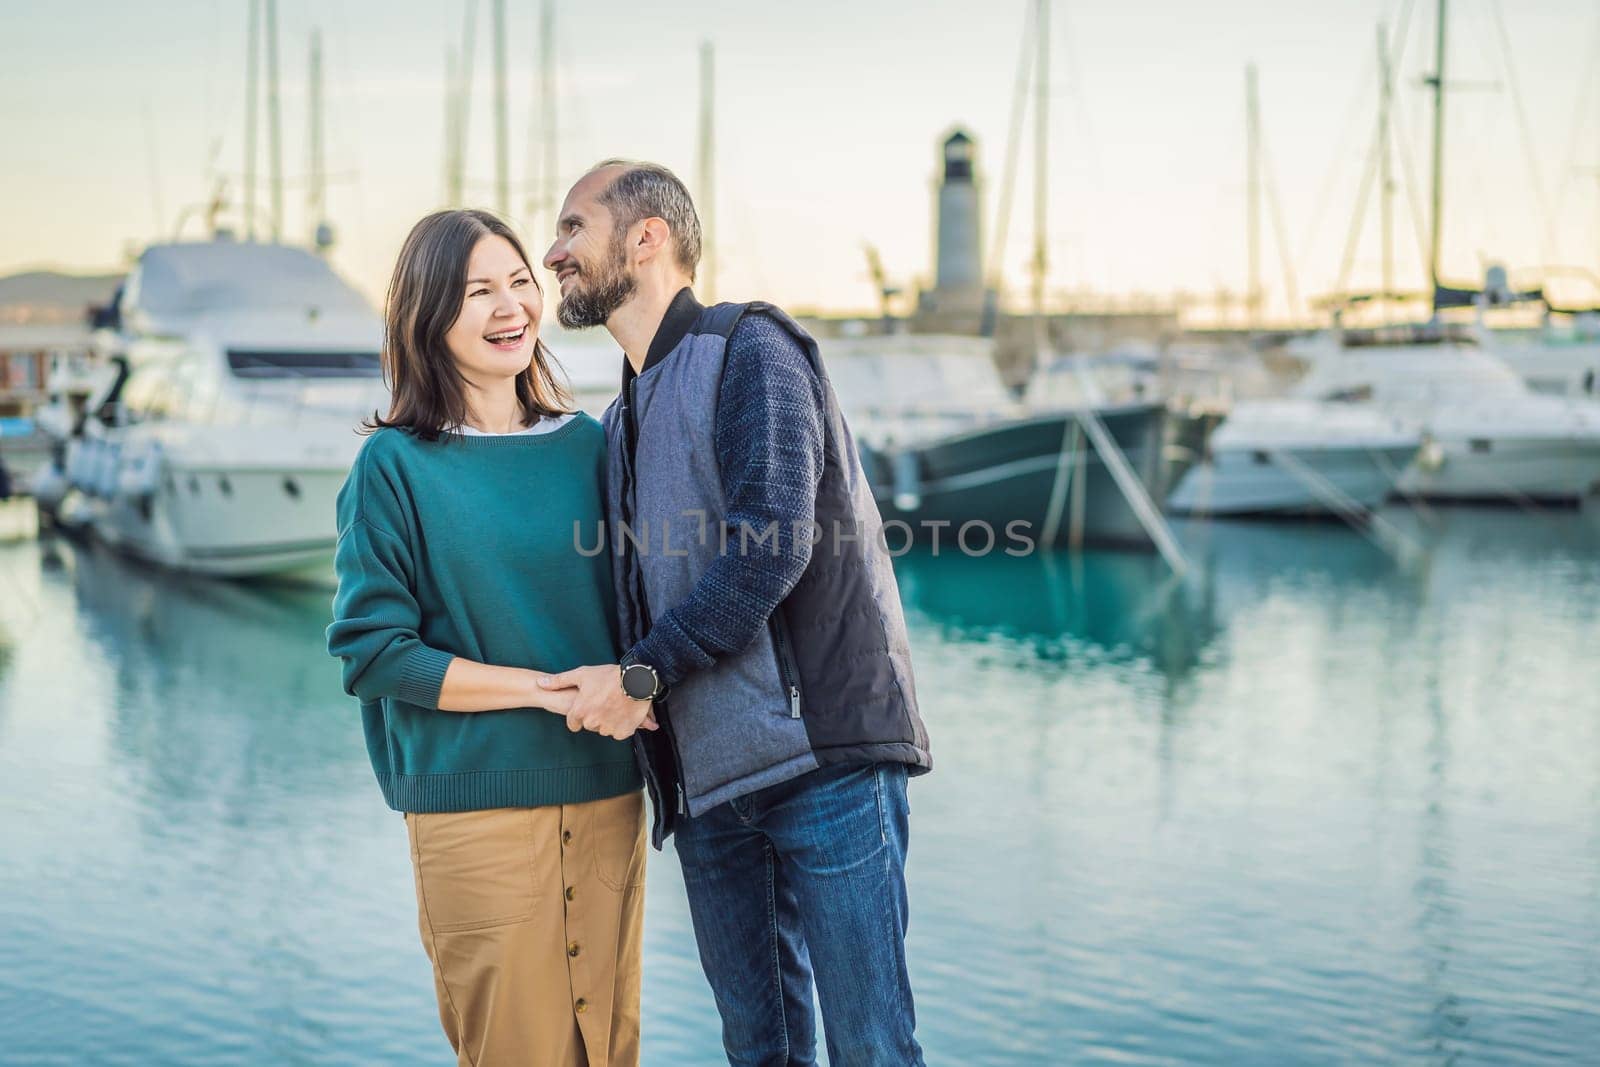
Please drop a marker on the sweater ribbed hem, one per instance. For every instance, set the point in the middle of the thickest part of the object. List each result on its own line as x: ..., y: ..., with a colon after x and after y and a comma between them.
x: 483, y: 790
x: 422, y: 676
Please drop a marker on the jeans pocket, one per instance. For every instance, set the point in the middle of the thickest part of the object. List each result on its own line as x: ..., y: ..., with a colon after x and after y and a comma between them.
x: 474, y: 869
x: 619, y: 841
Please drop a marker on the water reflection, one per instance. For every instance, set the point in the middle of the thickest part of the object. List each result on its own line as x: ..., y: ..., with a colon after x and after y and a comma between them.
x: 1339, y: 800
x: 223, y: 882
x: 1308, y: 804
x: 221, y: 689
x: 1118, y: 607
x: 1246, y: 552
x: 1531, y: 534
x: 1437, y: 907
x: 1060, y: 607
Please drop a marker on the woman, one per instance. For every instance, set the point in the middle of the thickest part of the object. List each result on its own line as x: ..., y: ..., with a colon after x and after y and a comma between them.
x: 460, y: 584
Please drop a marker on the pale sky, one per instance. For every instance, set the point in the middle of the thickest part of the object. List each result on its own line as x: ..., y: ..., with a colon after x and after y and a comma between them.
x: 117, y: 117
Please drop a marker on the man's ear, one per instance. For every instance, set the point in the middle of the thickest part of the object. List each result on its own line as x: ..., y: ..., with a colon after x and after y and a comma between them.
x: 654, y: 237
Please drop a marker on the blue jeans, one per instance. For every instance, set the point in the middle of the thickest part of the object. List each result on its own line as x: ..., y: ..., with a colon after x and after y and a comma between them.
x: 807, y: 879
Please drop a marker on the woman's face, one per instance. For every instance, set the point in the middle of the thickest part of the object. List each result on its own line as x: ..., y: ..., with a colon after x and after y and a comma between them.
x: 494, y: 336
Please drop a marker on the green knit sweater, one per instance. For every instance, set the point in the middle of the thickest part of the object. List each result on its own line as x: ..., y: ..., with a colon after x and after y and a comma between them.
x: 467, y: 546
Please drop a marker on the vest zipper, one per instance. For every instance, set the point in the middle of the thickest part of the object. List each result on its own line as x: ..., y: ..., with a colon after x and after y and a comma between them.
x: 788, y: 675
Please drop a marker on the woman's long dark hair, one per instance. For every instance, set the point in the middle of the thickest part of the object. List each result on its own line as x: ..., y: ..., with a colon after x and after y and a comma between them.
x: 427, y: 390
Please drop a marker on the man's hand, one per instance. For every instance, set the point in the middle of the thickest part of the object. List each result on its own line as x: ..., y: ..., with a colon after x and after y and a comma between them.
x: 599, y: 704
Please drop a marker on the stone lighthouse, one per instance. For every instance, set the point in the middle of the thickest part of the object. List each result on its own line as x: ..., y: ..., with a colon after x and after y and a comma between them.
x: 960, y: 260
x: 955, y: 303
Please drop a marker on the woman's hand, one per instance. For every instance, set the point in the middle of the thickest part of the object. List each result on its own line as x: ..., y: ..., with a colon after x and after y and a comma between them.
x: 559, y: 701
x: 472, y: 686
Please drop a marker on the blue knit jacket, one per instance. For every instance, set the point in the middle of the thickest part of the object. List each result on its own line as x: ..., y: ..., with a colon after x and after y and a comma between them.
x: 769, y: 441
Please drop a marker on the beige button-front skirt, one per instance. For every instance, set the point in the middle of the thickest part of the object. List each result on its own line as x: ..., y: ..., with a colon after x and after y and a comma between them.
x: 533, y: 920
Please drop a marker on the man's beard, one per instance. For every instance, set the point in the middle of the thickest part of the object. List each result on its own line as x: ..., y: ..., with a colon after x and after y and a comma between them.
x: 591, y: 302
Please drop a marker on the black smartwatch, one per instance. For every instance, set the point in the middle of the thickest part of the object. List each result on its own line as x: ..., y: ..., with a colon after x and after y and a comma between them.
x: 640, y: 681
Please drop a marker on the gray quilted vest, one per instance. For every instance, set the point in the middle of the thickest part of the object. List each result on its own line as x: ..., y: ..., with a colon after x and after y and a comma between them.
x: 829, y: 680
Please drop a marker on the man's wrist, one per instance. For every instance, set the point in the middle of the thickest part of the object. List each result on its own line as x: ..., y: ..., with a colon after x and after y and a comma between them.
x: 651, y: 652
x: 640, y: 681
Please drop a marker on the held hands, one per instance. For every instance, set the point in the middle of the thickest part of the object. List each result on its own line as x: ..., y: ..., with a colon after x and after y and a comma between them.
x: 592, y: 699
x: 559, y: 701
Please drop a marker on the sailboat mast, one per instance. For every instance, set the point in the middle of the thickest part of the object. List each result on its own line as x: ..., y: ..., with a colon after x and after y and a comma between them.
x: 547, y: 105
x: 502, y: 132
x: 1385, y: 161
x: 1253, y: 196
x: 1436, y: 82
x: 708, y: 198
x: 251, y: 88
x: 451, y: 92
x: 316, y: 196
x: 1041, y: 173
x: 274, y: 123
x: 463, y: 108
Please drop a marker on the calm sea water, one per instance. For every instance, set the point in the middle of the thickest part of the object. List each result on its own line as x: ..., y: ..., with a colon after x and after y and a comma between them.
x: 1307, y: 806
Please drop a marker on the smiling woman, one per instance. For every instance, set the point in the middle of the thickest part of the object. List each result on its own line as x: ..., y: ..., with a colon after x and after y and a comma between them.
x: 460, y: 587
x: 462, y: 312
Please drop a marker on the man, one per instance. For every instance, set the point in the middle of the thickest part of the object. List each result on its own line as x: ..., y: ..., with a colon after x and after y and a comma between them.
x: 760, y: 614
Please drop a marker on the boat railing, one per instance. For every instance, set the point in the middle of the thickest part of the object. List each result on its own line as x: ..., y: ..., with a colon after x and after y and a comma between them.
x: 1411, y: 333
x: 915, y: 420
x: 263, y: 405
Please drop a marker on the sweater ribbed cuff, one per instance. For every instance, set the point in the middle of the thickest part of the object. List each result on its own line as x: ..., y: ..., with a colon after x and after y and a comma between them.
x: 422, y: 676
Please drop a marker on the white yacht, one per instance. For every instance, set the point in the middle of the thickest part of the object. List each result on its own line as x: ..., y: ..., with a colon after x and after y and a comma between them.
x: 1562, y: 358
x: 1494, y: 437
x: 1298, y: 457
x: 245, y: 370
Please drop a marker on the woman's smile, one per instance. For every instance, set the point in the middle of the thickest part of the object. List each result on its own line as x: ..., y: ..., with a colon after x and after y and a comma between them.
x: 509, y: 340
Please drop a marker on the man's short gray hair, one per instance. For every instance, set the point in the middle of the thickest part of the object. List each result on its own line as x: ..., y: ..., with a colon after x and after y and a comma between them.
x: 649, y: 190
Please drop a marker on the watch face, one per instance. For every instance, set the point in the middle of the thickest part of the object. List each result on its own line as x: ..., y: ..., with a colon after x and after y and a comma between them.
x: 639, y: 681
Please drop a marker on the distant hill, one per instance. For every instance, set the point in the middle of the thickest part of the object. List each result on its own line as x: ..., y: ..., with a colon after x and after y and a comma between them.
x: 47, y: 296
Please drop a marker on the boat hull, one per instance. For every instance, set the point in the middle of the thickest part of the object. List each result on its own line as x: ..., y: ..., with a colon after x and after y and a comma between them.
x: 1556, y: 469
x: 1038, y: 472
x: 1243, y: 481
x: 261, y: 522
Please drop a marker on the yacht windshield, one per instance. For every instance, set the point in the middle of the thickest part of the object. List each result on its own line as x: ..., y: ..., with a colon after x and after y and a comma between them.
x: 262, y: 363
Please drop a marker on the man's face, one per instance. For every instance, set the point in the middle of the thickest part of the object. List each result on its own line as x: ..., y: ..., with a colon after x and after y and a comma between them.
x: 589, y: 257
